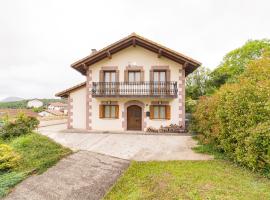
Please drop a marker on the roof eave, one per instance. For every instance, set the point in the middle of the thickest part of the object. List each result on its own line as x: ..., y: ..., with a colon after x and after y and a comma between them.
x: 65, y: 93
x: 134, y: 40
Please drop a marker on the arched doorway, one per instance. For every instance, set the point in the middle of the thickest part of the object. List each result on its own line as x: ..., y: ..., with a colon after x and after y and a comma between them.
x: 134, y: 118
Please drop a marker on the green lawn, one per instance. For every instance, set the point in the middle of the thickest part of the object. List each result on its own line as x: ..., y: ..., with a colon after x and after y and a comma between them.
x: 38, y: 154
x: 215, y: 179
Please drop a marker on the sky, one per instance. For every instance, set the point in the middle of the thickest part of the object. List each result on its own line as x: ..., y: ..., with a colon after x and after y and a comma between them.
x: 40, y: 39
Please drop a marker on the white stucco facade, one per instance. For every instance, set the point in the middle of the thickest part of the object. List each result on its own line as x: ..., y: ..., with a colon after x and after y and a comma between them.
x: 136, y: 56
x: 78, y: 108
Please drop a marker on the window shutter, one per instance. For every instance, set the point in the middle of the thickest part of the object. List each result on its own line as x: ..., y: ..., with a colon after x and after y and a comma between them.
x: 126, y: 76
x: 142, y: 75
x: 168, y: 112
x: 151, y: 81
x: 117, y: 111
x: 101, y: 111
x: 101, y: 76
x: 151, y: 112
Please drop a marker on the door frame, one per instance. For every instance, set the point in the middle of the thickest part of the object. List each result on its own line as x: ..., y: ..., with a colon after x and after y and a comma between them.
x: 124, y: 114
x: 128, y: 120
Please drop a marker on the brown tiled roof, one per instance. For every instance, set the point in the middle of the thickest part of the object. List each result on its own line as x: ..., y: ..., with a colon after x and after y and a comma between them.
x: 135, y: 39
x: 66, y: 92
x: 15, y: 112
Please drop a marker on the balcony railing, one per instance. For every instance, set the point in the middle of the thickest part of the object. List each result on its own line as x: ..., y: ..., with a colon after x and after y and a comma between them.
x: 137, y: 89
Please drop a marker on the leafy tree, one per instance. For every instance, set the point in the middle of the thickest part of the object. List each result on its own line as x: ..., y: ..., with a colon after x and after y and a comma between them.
x: 235, y: 62
x: 236, y: 118
x: 197, y: 83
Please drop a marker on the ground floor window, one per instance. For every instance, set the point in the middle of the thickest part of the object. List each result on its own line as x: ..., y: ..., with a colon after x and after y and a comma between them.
x: 109, y: 111
x: 160, y: 112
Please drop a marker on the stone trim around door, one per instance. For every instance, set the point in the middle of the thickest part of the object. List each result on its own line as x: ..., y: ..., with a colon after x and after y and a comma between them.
x: 181, y: 97
x: 89, y: 100
x: 133, y: 68
x: 124, y: 113
x: 70, y: 113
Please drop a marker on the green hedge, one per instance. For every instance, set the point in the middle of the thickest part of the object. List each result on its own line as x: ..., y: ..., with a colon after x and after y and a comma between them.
x: 236, y: 119
x: 20, y: 126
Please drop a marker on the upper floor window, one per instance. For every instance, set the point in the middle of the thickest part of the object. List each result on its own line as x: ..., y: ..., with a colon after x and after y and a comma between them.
x: 109, y: 76
x: 134, y: 76
x: 159, y: 76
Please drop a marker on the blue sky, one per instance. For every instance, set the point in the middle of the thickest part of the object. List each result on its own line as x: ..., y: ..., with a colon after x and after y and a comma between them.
x: 40, y: 39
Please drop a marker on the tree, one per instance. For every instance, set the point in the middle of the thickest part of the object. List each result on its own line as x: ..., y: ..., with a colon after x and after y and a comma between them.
x: 197, y: 83
x: 236, y: 118
x: 234, y: 63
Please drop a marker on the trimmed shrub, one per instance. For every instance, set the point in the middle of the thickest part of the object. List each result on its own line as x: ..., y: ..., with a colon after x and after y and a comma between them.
x: 236, y: 118
x: 8, y: 158
x: 21, y: 126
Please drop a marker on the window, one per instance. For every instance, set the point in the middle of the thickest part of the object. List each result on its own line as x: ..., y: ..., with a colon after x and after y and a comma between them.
x: 108, y: 111
x: 160, y: 112
x: 159, y: 76
x: 134, y: 76
x: 159, y: 81
x: 109, y: 76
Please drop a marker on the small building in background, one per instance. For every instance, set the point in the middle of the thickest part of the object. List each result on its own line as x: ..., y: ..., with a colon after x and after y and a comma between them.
x: 58, y: 106
x: 34, y: 103
x: 51, y: 113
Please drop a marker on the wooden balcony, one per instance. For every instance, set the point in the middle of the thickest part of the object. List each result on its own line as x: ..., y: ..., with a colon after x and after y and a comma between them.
x: 135, y: 89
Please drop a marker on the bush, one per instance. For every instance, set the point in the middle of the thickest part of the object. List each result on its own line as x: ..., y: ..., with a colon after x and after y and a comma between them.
x: 236, y: 119
x: 8, y: 158
x: 21, y: 126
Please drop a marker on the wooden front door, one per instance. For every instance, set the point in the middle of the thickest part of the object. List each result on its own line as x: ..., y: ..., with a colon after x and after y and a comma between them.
x: 134, y: 118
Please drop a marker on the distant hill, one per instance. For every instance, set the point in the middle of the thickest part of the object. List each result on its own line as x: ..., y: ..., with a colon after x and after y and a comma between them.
x: 11, y: 99
x: 23, y: 103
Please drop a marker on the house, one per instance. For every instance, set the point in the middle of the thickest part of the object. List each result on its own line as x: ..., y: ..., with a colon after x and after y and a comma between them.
x: 15, y: 112
x: 59, y: 106
x: 131, y: 84
x: 34, y: 103
x: 50, y: 113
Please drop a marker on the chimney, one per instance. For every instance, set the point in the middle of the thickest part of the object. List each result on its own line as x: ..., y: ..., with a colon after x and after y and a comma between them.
x: 93, y: 51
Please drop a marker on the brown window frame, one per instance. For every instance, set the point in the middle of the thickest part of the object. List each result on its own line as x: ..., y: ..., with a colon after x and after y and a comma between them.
x: 110, y: 72
x: 102, y: 111
x: 159, y: 71
x: 159, y: 111
x: 134, y: 72
x: 167, y: 112
x: 110, y: 113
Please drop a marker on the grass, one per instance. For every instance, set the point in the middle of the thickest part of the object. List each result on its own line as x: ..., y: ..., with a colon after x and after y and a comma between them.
x: 38, y: 153
x: 215, y: 179
x: 209, y: 149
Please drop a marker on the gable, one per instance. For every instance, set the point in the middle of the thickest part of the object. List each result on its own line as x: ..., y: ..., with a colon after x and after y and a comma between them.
x: 134, y: 40
x: 135, y: 56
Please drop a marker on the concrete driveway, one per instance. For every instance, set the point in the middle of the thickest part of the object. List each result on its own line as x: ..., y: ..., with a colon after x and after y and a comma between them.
x: 87, y: 174
x: 128, y: 146
x: 82, y: 175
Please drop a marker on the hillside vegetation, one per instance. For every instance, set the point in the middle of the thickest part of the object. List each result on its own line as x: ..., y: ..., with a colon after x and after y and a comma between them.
x: 23, y: 103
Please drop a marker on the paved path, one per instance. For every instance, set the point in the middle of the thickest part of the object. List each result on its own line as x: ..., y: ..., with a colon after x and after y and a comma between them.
x: 44, y: 123
x: 80, y: 176
x: 127, y: 146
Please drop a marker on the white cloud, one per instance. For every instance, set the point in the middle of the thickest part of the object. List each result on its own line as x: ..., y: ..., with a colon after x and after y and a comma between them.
x: 40, y: 39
